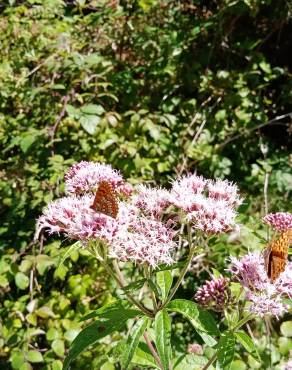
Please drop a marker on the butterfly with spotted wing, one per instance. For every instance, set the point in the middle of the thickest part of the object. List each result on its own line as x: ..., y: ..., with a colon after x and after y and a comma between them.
x: 105, y: 200
x: 276, y: 255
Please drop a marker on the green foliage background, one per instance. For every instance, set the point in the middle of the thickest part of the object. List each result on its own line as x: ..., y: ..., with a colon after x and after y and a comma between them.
x: 156, y: 88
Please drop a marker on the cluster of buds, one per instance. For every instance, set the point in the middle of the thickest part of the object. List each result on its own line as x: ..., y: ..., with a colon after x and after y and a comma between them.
x: 214, y: 294
x: 280, y: 221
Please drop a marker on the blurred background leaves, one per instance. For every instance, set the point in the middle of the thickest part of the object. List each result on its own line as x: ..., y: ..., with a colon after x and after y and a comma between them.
x: 157, y: 89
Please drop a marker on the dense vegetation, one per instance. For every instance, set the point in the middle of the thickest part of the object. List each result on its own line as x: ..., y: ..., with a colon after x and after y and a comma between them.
x: 157, y: 89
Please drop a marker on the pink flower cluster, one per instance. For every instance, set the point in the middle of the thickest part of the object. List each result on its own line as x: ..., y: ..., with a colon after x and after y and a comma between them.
x: 210, y: 205
x: 266, y: 298
x: 131, y: 236
x: 143, y: 240
x: 195, y: 348
x: 138, y: 233
x: 288, y: 365
x: 214, y: 294
x: 74, y: 217
x: 152, y: 201
x: 279, y: 221
x: 84, y: 177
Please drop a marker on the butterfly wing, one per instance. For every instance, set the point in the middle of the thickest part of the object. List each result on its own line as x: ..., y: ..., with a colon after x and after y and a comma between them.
x: 277, y: 265
x: 105, y: 200
x: 276, y: 255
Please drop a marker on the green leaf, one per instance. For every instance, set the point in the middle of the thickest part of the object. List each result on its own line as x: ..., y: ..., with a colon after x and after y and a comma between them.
x: 44, y: 312
x: 120, y: 308
x: 164, y: 281
x: 225, y: 351
x: 201, y: 320
x: 154, y: 287
x: 144, y: 357
x: 68, y: 252
x: 56, y: 365
x: 89, y: 123
x: 286, y: 328
x: 52, y: 334
x: 190, y: 362
x: 26, y: 142
x: 247, y: 342
x: 110, y: 320
x: 284, y: 345
x: 21, y: 281
x: 43, y: 262
x: 132, y: 287
x: 133, y: 341
x: 58, y: 347
x: 162, y: 326
x: 92, y: 109
x: 34, y: 356
x: 238, y: 365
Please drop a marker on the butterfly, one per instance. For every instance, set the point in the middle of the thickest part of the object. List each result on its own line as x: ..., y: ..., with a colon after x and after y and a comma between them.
x: 105, y: 200
x: 276, y: 255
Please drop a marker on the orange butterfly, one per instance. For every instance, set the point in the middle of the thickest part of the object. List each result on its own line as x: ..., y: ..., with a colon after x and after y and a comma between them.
x: 105, y: 200
x: 276, y: 255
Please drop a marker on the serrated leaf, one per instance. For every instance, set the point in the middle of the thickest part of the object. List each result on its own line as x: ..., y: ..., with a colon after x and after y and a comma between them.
x: 154, y: 287
x: 132, y: 287
x: 201, y: 320
x: 144, y: 357
x: 247, y: 342
x: 133, y: 341
x: 164, y: 281
x: 225, y: 350
x: 190, y: 362
x: 21, y: 281
x: 162, y: 325
x: 121, y: 308
x: 109, y: 322
x: 68, y: 252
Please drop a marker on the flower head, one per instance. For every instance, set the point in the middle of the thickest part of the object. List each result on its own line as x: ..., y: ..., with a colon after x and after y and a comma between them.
x: 265, y: 304
x: 195, y: 348
x: 74, y: 217
x: 143, y: 240
x: 250, y: 271
x: 152, y: 201
x: 84, y: 177
x: 266, y: 297
x: 280, y: 221
x: 209, y: 204
x: 130, y: 237
x: 224, y: 190
x: 214, y: 294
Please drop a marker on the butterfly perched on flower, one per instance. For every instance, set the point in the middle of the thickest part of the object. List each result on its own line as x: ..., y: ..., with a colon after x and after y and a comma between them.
x: 276, y: 255
x: 105, y: 200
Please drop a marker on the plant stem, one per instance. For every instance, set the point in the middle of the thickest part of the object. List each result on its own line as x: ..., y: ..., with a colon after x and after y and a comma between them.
x: 184, y: 270
x: 210, y: 362
x: 121, y: 282
x: 153, y: 297
x: 152, y: 350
